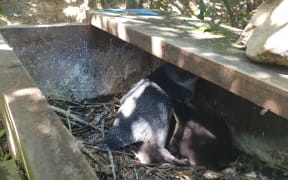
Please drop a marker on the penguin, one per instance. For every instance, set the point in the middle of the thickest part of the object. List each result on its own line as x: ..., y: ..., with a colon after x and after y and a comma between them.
x: 180, y: 85
x: 144, y: 116
x: 202, y: 138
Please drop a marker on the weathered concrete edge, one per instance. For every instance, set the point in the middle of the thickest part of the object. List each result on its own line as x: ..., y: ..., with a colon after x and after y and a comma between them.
x: 224, y: 76
x: 28, y: 26
x: 44, y: 145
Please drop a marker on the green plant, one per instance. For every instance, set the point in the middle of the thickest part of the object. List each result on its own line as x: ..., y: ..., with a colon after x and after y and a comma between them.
x: 204, y: 11
x: 2, y: 132
x: 4, y: 154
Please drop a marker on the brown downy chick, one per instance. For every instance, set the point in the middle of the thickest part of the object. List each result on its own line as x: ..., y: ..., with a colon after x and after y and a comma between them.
x: 201, y: 138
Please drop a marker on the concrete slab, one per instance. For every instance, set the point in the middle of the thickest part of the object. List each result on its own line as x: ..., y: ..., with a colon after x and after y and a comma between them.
x: 36, y: 134
x: 209, y: 55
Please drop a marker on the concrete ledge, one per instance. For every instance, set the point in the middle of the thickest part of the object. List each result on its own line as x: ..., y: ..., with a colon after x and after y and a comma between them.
x: 36, y: 134
x: 208, y: 55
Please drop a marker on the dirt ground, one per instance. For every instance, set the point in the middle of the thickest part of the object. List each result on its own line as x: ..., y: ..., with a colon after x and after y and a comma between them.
x: 42, y: 12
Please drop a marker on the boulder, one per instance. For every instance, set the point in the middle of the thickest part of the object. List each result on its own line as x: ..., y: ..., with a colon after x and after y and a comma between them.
x: 266, y: 33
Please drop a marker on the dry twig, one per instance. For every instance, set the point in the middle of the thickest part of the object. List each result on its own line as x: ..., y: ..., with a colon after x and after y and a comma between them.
x: 74, y: 117
x: 112, y: 163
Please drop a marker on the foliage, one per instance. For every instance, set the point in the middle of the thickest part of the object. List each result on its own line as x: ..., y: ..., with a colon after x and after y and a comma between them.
x: 108, y: 3
x: 4, y: 154
x: 231, y: 12
x: 163, y: 4
x: 2, y: 133
x: 134, y: 3
x: 204, y: 11
x: 205, y: 27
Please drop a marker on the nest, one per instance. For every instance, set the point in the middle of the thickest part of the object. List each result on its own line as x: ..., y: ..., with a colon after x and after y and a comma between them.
x: 89, y: 122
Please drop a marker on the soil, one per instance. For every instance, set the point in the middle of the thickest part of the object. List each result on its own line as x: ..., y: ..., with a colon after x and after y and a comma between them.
x: 15, y: 12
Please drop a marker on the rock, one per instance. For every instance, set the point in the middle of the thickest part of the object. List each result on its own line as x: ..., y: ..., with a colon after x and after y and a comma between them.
x: 266, y: 34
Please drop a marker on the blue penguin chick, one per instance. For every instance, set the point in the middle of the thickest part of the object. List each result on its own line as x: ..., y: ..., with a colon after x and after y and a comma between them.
x: 179, y: 84
x: 144, y: 115
x: 152, y: 154
x: 202, y: 138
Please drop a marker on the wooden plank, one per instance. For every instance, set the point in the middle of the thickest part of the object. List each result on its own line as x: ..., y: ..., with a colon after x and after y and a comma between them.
x: 209, y: 55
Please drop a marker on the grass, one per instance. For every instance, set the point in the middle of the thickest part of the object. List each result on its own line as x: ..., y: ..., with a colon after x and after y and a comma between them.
x: 4, y: 153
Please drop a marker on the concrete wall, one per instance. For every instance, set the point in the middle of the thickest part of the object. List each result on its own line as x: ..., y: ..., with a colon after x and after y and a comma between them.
x: 256, y: 132
x: 78, y: 62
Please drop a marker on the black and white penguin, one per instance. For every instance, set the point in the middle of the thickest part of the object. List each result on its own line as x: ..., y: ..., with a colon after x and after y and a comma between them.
x: 144, y: 116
